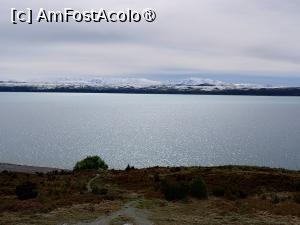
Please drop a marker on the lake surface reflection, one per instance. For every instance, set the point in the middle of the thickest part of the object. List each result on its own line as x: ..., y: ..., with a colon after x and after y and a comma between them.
x: 49, y: 129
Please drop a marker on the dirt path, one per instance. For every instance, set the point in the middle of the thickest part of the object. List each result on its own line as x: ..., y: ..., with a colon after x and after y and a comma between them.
x: 88, y: 185
x: 127, y: 215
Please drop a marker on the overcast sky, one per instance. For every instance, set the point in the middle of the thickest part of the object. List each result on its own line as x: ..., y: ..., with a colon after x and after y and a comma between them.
x: 232, y: 39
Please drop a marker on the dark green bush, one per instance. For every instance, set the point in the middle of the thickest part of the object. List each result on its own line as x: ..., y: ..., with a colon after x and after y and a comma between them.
x: 297, y: 198
x: 275, y: 199
x: 39, y: 174
x: 91, y: 163
x: 198, y: 188
x: 51, y: 177
x: 156, y: 178
x: 174, y: 190
x: 234, y: 193
x: 129, y: 168
x: 218, y: 192
x: 26, y: 190
x: 99, y: 191
x: 264, y: 197
x: 297, y: 185
x: 175, y: 169
x: 242, y: 194
x: 180, y: 177
x: 5, y: 172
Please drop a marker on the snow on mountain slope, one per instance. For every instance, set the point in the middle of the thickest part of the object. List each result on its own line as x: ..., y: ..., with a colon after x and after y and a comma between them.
x: 133, y: 83
x: 199, y: 82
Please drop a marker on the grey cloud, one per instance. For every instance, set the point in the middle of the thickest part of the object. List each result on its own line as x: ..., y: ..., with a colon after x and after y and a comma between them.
x: 258, y: 36
x: 275, y: 54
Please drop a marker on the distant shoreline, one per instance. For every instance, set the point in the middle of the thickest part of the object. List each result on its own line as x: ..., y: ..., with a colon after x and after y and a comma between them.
x: 40, y: 169
x: 283, y: 91
x: 189, y: 86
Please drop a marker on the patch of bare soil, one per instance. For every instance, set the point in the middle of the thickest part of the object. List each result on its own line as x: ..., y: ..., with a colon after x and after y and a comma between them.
x: 128, y: 214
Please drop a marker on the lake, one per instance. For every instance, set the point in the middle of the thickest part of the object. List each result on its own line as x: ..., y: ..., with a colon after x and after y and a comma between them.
x: 57, y: 129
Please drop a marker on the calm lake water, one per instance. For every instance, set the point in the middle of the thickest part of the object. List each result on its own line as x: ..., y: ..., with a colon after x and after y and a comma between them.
x: 148, y: 130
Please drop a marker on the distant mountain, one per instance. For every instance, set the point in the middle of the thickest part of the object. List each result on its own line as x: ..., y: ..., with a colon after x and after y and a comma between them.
x: 25, y: 169
x: 146, y: 86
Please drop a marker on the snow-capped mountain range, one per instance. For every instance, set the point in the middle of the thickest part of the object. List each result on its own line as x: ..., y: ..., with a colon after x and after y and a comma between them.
x: 129, y: 82
x: 142, y: 85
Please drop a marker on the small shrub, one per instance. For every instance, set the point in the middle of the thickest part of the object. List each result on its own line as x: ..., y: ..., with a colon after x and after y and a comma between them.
x: 156, y: 178
x: 180, y: 177
x: 5, y: 172
x: 230, y: 195
x: 129, y: 168
x: 65, y: 172
x: 54, y: 192
x: 79, y: 186
x: 218, y: 192
x: 297, y: 198
x: 39, y: 174
x: 297, y: 185
x: 26, y: 190
x: 263, y: 197
x: 13, y: 175
x: 51, y: 176
x: 240, y: 194
x: 99, y: 191
x: 234, y: 193
x: 174, y: 190
x: 91, y: 163
x: 175, y: 169
x: 198, y: 188
x: 67, y: 183
x: 275, y: 199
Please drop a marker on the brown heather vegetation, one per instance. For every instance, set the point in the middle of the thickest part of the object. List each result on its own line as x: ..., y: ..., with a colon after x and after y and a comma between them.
x: 236, y: 195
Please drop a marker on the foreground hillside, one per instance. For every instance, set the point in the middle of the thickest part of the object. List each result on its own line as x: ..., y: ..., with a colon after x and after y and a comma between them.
x: 236, y: 195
